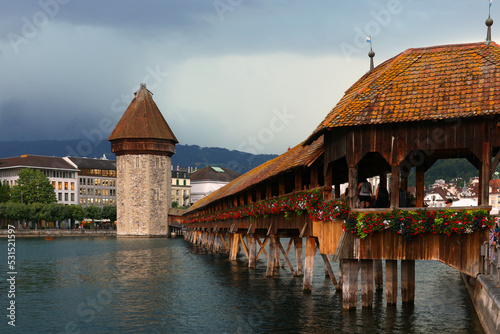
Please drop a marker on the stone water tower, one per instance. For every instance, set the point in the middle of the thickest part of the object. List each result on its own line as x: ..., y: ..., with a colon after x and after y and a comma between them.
x: 144, y: 144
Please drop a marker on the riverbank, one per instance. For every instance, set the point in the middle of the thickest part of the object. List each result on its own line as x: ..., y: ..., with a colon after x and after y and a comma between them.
x: 59, y: 233
x: 486, y: 298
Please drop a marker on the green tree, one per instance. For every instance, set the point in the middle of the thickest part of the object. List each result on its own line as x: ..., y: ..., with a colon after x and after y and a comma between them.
x: 109, y: 212
x: 76, y: 212
x: 33, y: 187
x: 93, y: 212
x: 4, y: 192
x: 16, y: 211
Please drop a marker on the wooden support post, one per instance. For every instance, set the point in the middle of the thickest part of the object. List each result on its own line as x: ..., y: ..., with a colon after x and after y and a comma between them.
x: 337, y: 190
x: 234, y: 247
x: 367, y: 283
x: 309, y: 265
x: 270, y: 257
x: 223, y: 239
x: 258, y: 193
x: 328, y: 183
x: 281, y: 181
x: 252, y: 250
x: 329, y: 271
x: 395, y: 186
x: 350, y: 269
x: 285, y: 256
x: 262, y: 248
x: 269, y: 190
x: 353, y: 186
x: 244, y: 246
x: 277, y: 256
x: 391, y: 281
x: 287, y: 251
x: 408, y: 281
x: 420, y: 186
x: 484, y: 177
x: 297, y: 241
x: 298, y: 179
x: 314, y: 176
x: 379, y: 275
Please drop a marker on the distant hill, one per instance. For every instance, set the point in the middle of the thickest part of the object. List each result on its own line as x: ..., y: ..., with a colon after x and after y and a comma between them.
x: 186, y: 155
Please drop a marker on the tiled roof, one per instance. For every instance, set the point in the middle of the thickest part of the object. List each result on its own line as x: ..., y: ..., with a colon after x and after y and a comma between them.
x: 424, y: 84
x: 86, y: 163
x: 142, y: 120
x: 495, y: 183
x: 211, y: 174
x: 300, y: 155
x: 36, y: 161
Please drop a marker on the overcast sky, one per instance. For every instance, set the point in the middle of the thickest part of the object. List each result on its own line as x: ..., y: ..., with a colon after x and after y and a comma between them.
x: 252, y: 75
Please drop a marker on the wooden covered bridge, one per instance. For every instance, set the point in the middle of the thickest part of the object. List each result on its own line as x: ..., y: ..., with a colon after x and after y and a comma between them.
x: 423, y: 105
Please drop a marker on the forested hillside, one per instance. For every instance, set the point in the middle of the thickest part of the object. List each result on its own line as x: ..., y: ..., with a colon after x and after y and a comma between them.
x: 186, y: 155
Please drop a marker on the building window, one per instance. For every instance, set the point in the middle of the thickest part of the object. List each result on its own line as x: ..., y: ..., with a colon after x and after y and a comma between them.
x: 72, y: 185
x: 184, y: 182
x: 72, y: 197
x: 59, y: 185
x: 59, y: 196
x: 65, y: 185
x: 66, y: 197
x: 177, y: 182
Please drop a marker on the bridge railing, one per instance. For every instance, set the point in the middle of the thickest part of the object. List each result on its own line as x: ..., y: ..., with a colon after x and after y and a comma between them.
x: 491, y: 264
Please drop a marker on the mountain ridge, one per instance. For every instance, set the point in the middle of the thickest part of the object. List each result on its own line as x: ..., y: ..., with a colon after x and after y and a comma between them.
x: 186, y: 155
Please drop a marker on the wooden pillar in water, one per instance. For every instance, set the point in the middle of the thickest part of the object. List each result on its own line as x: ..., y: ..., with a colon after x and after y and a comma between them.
x: 408, y: 281
x: 297, y: 242
x: 309, y: 265
x: 391, y: 281
x: 234, y: 247
x: 252, y: 250
x: 379, y: 275
x: 367, y: 283
x: 270, y: 256
x: 277, y: 254
x: 350, y: 269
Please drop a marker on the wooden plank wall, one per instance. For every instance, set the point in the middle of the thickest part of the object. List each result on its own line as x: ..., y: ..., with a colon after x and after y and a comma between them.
x: 460, y: 251
x: 396, y: 141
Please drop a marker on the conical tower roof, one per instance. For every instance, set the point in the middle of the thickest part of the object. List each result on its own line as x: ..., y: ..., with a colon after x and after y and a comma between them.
x: 142, y: 128
x: 143, y: 120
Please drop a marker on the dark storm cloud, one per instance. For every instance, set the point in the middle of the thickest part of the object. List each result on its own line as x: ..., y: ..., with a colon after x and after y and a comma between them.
x: 207, y: 62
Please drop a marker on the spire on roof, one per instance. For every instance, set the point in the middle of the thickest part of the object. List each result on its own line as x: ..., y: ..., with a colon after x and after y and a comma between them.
x: 489, y: 23
x: 371, y: 54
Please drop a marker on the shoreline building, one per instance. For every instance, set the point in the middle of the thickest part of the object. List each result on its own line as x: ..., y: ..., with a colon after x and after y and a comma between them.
x: 144, y: 144
x: 61, y: 174
x: 181, y: 188
x: 96, y: 181
x: 209, y: 179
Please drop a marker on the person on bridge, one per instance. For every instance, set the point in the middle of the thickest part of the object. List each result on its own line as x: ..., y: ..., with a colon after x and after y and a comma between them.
x: 382, y: 198
x: 365, y: 193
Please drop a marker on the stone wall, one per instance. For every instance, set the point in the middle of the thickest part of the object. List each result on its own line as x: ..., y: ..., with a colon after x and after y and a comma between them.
x: 486, y: 299
x: 143, y: 195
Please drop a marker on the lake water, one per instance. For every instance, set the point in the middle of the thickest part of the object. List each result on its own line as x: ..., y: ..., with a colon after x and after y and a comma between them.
x: 109, y: 285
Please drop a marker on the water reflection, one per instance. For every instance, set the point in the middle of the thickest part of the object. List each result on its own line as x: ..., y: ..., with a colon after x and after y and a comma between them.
x: 168, y: 286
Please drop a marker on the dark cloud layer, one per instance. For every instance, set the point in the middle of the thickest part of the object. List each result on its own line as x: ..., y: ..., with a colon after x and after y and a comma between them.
x: 218, y: 68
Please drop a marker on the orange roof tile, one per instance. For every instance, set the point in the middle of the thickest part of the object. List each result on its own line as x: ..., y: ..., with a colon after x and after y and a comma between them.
x: 423, y: 84
x: 300, y: 155
x: 142, y: 120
